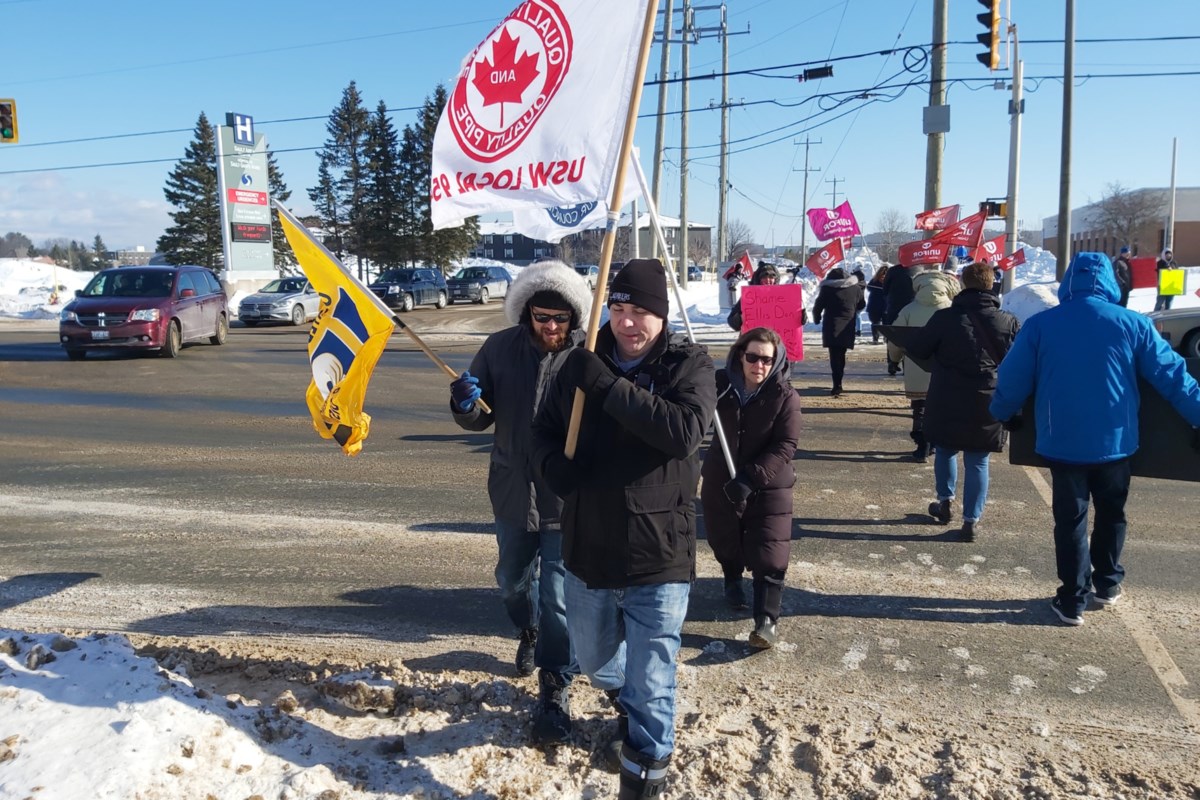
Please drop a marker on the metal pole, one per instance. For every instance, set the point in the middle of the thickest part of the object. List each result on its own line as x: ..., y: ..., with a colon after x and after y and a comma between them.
x: 682, y: 237
x: 1064, y: 176
x: 1014, y: 161
x: 1169, y: 237
x: 226, y: 256
x: 660, y: 126
x: 635, y: 246
x: 937, y: 97
x: 723, y: 191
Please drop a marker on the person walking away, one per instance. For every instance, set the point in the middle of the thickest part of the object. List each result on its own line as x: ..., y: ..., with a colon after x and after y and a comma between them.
x: 1165, y: 261
x: 839, y: 299
x: 862, y: 281
x: 1080, y: 361
x: 966, y: 341
x: 1123, y: 271
x: 765, y: 275
x: 898, y: 291
x: 748, y: 515
x: 510, y: 372
x: 629, y: 527
x: 876, y: 301
x: 934, y: 290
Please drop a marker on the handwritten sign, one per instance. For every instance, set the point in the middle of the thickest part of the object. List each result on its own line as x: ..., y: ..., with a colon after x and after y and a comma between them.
x: 778, y: 308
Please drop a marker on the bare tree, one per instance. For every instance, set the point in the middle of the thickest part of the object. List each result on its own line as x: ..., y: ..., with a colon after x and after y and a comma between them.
x: 891, y: 234
x: 739, y: 238
x: 1129, y: 214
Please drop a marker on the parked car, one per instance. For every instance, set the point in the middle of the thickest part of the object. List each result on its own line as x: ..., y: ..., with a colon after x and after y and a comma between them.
x: 479, y: 284
x: 406, y: 287
x: 694, y: 273
x: 291, y: 299
x: 590, y: 273
x: 145, y: 308
x: 1181, y: 328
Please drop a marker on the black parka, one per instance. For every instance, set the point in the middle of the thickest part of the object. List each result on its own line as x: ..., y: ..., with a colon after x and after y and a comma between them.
x: 963, y: 377
x: 838, y: 302
x: 631, y: 521
x: 762, y: 436
x: 899, y: 292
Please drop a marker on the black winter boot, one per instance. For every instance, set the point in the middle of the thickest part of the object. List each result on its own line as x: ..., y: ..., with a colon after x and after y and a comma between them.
x: 641, y: 776
x: 552, y: 718
x: 765, y: 634
x: 526, y: 648
x: 612, y: 755
x: 941, y: 511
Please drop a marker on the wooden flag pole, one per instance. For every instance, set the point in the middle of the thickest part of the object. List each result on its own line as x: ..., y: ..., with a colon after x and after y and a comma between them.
x: 614, y: 213
x: 446, y: 368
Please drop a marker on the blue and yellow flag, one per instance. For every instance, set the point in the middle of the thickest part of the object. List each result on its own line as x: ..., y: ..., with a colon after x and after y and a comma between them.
x: 344, y: 343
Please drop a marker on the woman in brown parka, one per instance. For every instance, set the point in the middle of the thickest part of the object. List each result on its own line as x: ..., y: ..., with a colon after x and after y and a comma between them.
x: 748, y: 516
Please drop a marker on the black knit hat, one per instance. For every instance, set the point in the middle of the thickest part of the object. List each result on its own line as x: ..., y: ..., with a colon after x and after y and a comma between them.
x: 548, y: 298
x: 642, y: 282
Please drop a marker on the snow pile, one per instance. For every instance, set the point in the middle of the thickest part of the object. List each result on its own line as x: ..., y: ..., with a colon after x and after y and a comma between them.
x: 1025, y: 301
x: 27, y: 288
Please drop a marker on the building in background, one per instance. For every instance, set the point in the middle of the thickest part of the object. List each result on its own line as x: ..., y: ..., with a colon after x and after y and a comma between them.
x: 1088, y: 234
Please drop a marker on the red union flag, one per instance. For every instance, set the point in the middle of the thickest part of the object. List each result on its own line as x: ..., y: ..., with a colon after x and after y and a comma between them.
x: 967, y: 232
x: 742, y: 268
x: 937, y: 219
x: 832, y: 223
x: 1015, y: 260
x: 991, y: 250
x: 925, y: 251
x: 825, y: 259
x: 536, y: 115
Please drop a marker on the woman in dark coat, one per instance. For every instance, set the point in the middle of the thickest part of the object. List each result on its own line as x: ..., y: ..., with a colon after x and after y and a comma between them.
x: 876, y: 301
x: 839, y: 299
x: 967, y: 342
x: 748, y: 518
x: 765, y: 275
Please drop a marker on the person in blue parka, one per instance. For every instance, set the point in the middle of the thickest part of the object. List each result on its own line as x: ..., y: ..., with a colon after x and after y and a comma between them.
x: 1081, y: 361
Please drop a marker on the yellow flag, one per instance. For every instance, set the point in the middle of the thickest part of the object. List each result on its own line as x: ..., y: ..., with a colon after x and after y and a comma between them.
x: 344, y: 343
x: 1171, y: 281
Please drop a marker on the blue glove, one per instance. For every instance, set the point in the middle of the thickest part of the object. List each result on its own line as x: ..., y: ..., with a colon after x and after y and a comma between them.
x: 464, y: 391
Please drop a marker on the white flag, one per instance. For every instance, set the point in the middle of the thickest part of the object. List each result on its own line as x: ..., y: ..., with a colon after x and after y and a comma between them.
x: 552, y: 224
x: 536, y: 117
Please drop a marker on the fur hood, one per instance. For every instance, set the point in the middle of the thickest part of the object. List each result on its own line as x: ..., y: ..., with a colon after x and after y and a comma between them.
x: 548, y: 276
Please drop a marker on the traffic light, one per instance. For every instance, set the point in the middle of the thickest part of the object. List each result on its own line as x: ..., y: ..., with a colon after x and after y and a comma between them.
x: 993, y: 209
x: 990, y: 19
x: 8, y: 121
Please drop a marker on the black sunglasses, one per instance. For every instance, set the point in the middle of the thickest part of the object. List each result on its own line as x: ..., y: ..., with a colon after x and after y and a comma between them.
x: 561, y: 319
x: 754, y: 358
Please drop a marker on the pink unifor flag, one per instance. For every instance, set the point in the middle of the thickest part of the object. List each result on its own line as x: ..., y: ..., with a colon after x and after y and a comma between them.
x: 535, y: 117
x: 825, y: 259
x: 937, y: 219
x: 925, y: 251
x: 991, y: 250
x: 967, y: 232
x: 1015, y: 260
x: 833, y: 223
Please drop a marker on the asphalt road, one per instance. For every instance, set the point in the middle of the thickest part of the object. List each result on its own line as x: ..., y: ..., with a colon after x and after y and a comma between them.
x: 191, y: 497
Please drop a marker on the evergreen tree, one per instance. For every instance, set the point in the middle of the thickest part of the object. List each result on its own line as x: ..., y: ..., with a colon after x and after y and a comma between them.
x: 99, y: 254
x: 343, y: 161
x: 412, y: 174
x: 382, y: 201
x: 16, y: 245
x: 195, y: 238
x: 329, y: 212
x: 285, y: 260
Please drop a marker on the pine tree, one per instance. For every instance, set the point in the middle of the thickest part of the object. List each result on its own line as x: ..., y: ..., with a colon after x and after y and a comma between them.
x: 342, y: 172
x: 285, y: 260
x: 382, y: 201
x: 100, y: 254
x: 195, y: 238
x: 325, y: 203
x: 412, y: 172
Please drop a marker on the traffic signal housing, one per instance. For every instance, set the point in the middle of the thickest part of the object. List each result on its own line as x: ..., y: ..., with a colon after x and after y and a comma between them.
x: 8, y: 121
x: 990, y: 19
x: 994, y: 209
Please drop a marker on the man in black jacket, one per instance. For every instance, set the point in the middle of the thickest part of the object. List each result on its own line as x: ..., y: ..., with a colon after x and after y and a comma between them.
x: 898, y: 289
x: 629, y: 526
x: 511, y: 371
x: 1124, y: 273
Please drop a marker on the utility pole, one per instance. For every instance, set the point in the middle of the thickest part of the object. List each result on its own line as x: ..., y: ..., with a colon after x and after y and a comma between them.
x: 1064, y: 174
x: 681, y: 263
x: 804, y: 200
x: 1169, y: 236
x: 835, y: 181
x: 937, y: 115
x: 723, y: 191
x: 659, y: 128
x: 1016, y: 110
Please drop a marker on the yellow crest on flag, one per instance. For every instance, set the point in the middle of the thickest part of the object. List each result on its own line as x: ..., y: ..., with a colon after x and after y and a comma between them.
x: 345, y: 341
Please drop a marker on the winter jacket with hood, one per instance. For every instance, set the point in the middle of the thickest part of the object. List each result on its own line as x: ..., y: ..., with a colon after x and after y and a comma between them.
x: 630, y: 520
x: 934, y: 290
x: 762, y: 430
x: 876, y: 300
x: 1081, y: 360
x: 839, y: 299
x: 513, y: 373
x: 960, y: 340
x: 734, y: 320
x: 897, y: 290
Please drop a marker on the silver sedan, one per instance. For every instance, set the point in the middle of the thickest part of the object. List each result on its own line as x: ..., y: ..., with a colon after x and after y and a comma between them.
x: 290, y: 299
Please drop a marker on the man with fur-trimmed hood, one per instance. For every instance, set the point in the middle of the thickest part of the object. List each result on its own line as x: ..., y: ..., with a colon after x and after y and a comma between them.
x: 545, y: 304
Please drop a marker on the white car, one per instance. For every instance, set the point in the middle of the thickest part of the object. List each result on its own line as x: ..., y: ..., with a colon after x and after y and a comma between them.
x: 1181, y: 328
x: 290, y: 299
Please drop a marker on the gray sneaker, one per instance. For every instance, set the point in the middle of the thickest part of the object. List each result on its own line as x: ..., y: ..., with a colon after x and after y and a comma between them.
x: 1108, y: 598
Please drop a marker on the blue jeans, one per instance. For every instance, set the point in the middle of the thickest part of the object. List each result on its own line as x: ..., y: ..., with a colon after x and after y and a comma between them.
x: 530, y: 572
x: 627, y: 639
x: 1081, y: 566
x: 975, y: 481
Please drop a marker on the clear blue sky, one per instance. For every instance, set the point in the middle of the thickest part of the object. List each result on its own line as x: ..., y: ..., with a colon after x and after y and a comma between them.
x: 83, y: 69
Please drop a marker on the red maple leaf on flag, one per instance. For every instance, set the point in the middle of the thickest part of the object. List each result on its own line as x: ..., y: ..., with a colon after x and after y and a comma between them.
x: 505, y: 77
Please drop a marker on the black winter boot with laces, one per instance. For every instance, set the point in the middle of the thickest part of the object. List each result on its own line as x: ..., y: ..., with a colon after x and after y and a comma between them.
x: 526, y: 648
x: 552, y: 717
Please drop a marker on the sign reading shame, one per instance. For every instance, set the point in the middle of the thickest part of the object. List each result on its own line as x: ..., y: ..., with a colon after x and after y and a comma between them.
x: 779, y: 308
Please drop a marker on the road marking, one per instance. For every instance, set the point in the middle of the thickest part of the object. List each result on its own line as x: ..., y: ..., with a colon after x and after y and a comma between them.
x: 1160, y: 661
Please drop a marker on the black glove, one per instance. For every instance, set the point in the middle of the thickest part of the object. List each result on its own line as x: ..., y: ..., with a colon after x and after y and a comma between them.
x: 584, y: 369
x: 1013, y: 423
x: 738, y: 491
x: 464, y: 391
x: 561, y: 474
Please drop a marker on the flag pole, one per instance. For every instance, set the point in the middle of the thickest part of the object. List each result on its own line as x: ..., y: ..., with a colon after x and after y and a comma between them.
x: 614, y: 212
x: 349, y: 276
x: 687, y: 323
